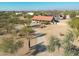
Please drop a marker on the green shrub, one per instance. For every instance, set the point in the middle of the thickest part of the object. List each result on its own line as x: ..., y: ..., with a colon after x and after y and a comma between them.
x: 53, y: 44
x: 74, y: 24
x: 69, y: 48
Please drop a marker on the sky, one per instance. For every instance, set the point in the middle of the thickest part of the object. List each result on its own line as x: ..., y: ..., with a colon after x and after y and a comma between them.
x: 21, y: 6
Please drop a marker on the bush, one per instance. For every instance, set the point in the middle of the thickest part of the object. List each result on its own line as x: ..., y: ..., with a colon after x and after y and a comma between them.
x: 74, y: 23
x: 69, y: 48
x: 53, y: 44
x: 10, y: 45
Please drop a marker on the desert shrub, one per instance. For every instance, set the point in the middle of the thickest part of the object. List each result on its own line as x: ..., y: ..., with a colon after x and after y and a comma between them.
x: 54, y: 43
x: 74, y: 24
x: 69, y: 48
x: 9, y: 45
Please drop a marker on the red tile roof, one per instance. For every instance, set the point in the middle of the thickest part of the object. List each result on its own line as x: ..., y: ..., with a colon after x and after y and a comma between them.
x: 44, y: 18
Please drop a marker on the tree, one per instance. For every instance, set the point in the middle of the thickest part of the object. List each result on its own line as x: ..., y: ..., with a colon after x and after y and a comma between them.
x: 54, y: 43
x: 9, y: 27
x: 10, y: 45
x: 28, y: 21
x: 72, y: 14
x: 27, y: 32
x: 7, y: 22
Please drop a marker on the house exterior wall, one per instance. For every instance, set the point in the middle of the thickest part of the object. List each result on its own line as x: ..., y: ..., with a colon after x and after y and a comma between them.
x: 39, y: 22
x: 33, y: 23
x: 68, y: 16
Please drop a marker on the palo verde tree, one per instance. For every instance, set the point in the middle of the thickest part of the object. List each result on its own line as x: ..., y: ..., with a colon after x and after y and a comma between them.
x: 27, y: 33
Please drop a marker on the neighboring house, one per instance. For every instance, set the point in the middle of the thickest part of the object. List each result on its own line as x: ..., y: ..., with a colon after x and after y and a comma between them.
x: 30, y: 13
x: 17, y: 13
x: 39, y: 19
x: 57, y: 18
x: 61, y: 16
x: 68, y: 16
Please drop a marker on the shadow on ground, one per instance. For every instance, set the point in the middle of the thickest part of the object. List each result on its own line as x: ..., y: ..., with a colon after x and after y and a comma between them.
x: 39, y: 35
x: 38, y: 49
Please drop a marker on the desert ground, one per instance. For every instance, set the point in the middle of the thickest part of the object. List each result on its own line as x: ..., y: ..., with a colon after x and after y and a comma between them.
x: 52, y: 30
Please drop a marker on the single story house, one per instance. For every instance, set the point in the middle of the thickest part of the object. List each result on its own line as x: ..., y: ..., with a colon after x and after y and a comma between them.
x: 39, y: 19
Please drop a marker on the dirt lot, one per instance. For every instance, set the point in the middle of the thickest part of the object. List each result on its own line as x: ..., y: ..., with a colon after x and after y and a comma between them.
x: 50, y: 30
x: 53, y: 30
